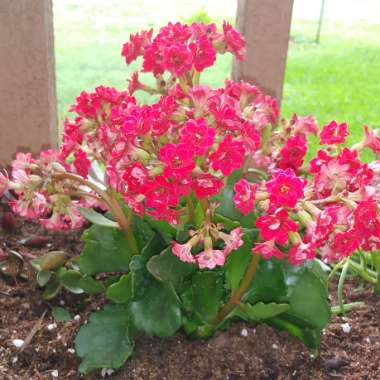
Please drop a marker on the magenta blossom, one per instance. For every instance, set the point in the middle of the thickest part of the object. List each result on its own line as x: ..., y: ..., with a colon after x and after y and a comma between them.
x: 244, y: 198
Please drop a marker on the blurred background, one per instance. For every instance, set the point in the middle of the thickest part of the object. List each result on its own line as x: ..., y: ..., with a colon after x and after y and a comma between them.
x: 337, y: 78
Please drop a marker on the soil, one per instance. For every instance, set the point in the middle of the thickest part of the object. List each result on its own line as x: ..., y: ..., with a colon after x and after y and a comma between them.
x: 242, y: 352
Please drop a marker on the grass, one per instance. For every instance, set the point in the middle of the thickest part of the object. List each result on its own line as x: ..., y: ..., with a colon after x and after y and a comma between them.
x: 338, y: 79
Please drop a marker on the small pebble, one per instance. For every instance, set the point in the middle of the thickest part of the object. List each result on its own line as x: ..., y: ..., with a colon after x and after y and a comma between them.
x: 244, y: 332
x: 52, y: 326
x: 61, y: 302
x: 107, y: 372
x: 17, y: 342
x: 77, y: 317
x: 275, y: 346
x: 346, y: 328
x: 54, y: 373
x: 59, y: 336
x: 15, y: 359
x: 71, y: 350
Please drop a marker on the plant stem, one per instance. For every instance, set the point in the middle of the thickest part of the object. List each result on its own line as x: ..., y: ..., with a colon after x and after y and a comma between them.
x: 342, y: 278
x: 365, y: 275
x: 346, y: 307
x: 376, y: 256
x: 190, y: 206
x: 239, y: 292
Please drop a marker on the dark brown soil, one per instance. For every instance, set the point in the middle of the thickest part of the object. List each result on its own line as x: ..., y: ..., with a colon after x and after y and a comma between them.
x: 242, y: 352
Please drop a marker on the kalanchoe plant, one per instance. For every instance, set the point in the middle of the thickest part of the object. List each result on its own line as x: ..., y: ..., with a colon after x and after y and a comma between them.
x: 203, y: 208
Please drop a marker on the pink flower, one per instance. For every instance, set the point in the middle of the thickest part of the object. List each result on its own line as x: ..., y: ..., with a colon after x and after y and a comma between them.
x: 30, y: 206
x: 206, y: 185
x: 81, y: 163
x: 293, y: 153
x: 372, y: 139
x: 229, y: 155
x: 318, y: 162
x: 196, y: 133
x: 251, y: 137
x: 276, y: 226
x: 135, y: 46
x: 178, y: 158
x: 232, y: 241
x: 183, y: 252
x: 285, y: 189
x: 210, y: 258
x: 300, y: 253
x: 303, y: 125
x: 244, y: 198
x: 267, y: 250
x: 234, y: 40
x: 333, y: 133
x: 177, y: 59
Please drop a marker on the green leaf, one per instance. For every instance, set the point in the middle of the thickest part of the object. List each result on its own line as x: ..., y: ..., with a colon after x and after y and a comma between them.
x: 121, y: 291
x: 52, y: 289
x: 97, y: 218
x: 237, y: 263
x: 60, y: 314
x: 228, y: 224
x: 142, y: 231
x: 105, y: 250
x: 105, y: 342
x: 50, y: 261
x: 167, y: 267
x: 154, y: 246
x: 43, y: 277
x: 269, y: 283
x: 70, y: 280
x: 207, y: 294
x: 158, y: 311
x: 90, y: 285
x: 308, y: 301
x: 166, y: 230
x: 199, y: 215
x: 260, y: 310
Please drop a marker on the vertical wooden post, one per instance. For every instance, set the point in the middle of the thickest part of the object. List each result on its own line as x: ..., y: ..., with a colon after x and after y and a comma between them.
x: 28, y: 119
x: 265, y: 25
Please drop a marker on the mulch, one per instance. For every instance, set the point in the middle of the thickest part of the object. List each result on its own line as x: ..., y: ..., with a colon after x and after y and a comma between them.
x: 242, y: 352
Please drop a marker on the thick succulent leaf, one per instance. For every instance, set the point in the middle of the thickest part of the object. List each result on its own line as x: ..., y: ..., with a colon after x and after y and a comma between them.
x: 269, y: 283
x: 105, y: 342
x: 105, y: 250
x: 97, y: 218
x: 237, y: 263
x: 60, y: 314
x: 158, y: 311
x: 207, y: 294
x: 260, y: 310
x: 121, y: 291
x: 167, y: 267
x: 70, y: 280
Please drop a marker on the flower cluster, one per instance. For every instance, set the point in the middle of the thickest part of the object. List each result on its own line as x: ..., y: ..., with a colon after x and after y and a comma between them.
x: 194, y: 145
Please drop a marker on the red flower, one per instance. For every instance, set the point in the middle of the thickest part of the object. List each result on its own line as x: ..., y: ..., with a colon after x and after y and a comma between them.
x: 244, y: 198
x: 177, y: 59
x: 234, y: 40
x: 317, y: 162
x: 206, y: 185
x: 285, y: 189
x: 300, y: 253
x: 135, y: 46
x: 137, y: 177
x: 81, y: 163
x: 178, y: 158
x: 345, y: 243
x: 204, y: 53
x: 366, y: 219
x: 196, y: 133
x: 276, y: 226
x: 229, y: 156
x: 293, y: 153
x: 333, y: 133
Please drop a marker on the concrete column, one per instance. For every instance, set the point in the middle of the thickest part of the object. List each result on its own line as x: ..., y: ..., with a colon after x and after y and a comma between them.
x: 265, y: 25
x: 28, y: 118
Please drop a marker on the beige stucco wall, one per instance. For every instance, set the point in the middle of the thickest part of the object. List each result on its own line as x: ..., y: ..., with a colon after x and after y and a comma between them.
x: 27, y: 77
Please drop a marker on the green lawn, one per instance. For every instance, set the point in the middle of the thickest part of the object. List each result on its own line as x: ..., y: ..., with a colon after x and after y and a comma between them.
x: 338, y: 79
